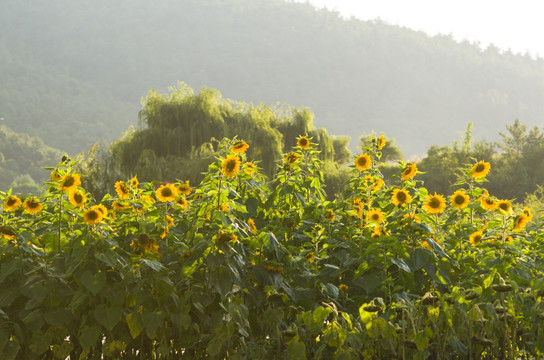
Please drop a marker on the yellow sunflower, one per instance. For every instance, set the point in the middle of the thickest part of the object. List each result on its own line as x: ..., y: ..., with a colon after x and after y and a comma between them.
x: 103, y: 209
x: 488, y: 203
x: 70, y: 182
x: 380, y: 143
x: 303, y: 142
x: 476, y: 238
x: 409, y: 172
x: 435, y: 204
x: 480, y: 169
x: 329, y: 215
x: 249, y: 168
x: 401, y: 197
x: 230, y: 166
x: 166, y: 192
x: 92, y: 216
x: 122, y: 189
x: 224, y: 237
x: 310, y: 256
x: 11, y: 203
x: 239, y: 147
x: 182, y: 202
x: 375, y: 215
x: 185, y: 188
x: 378, y: 231
x: 504, y: 207
x: 32, y: 205
x: 77, y: 198
x: 358, y: 205
x: 55, y: 175
x: 459, y: 200
x: 120, y: 205
x: 292, y: 157
x: 252, y: 226
x: 377, y: 184
x: 343, y: 288
x: 134, y: 182
x: 7, y: 233
x: 363, y: 162
x: 527, y: 212
x: 520, y: 221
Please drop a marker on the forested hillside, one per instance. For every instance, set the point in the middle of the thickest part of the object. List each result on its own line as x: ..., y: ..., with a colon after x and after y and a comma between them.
x: 83, y: 68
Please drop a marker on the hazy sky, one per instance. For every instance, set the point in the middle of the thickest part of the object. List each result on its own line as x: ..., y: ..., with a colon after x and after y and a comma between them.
x: 516, y: 25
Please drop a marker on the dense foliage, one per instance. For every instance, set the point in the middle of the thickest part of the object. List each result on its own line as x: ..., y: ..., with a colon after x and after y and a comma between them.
x: 22, y: 159
x: 83, y: 67
x: 181, y: 133
x: 241, y: 268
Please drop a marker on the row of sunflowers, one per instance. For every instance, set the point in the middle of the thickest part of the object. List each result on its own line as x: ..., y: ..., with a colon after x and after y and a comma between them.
x: 241, y: 266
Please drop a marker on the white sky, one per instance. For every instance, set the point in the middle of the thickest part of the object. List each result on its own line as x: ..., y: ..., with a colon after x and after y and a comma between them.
x: 517, y: 25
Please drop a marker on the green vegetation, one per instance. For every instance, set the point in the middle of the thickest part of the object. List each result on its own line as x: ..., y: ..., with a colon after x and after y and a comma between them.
x: 234, y: 269
x: 22, y: 159
x: 83, y: 67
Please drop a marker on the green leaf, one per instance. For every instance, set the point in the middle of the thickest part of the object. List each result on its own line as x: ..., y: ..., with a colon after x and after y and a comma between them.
x: 296, y: 349
x: 153, y: 264
x: 401, y: 264
x: 93, y: 283
x: 9, y: 265
x: 39, y: 343
x: 135, y: 324
x: 422, y: 338
x: 11, y: 350
x: 108, y: 317
x: 89, y: 336
x: 489, y: 279
x: 57, y: 316
x: 152, y: 321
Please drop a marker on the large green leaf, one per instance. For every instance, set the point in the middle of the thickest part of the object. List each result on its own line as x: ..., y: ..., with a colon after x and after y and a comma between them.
x: 93, y: 282
x: 107, y: 316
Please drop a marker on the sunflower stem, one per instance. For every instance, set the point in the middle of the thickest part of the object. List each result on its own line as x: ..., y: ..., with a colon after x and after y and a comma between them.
x: 60, y: 217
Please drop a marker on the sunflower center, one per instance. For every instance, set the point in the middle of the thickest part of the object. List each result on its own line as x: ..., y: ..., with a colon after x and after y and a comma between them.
x: 92, y: 215
x: 362, y: 161
x: 401, y: 197
x: 166, y: 192
x: 503, y: 207
x: 11, y: 201
x: 459, y: 199
x: 33, y: 204
x: 480, y: 168
x: 78, y: 198
x: 69, y: 181
x: 434, y: 203
x: 231, y: 165
x: 375, y: 217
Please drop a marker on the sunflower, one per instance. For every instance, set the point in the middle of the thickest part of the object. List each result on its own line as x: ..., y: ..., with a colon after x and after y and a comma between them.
x: 249, y: 168
x: 77, y: 198
x: 380, y: 143
x: 520, y: 221
x: 480, y: 169
x: 435, y: 204
x: 358, y: 205
x: 459, y: 200
x: 310, y: 256
x: 11, y: 203
x: 343, y: 288
x: 134, y: 182
x: 363, y: 162
x: 166, y: 192
x: 252, y: 226
x: 329, y: 215
x: 375, y: 215
x: 70, y: 182
x: 122, y: 189
x: 409, y: 172
x: 230, y: 166
x: 303, y: 142
x: 55, y: 175
x: 476, y: 238
x: 32, y: 205
x: 182, y: 202
x: 225, y: 237
x: 92, y: 216
x: 378, y: 231
x: 377, y: 184
x: 292, y: 157
x: 8, y: 233
x: 504, y: 207
x: 239, y: 147
x: 224, y: 207
x: 103, y: 210
x: 185, y: 188
x: 488, y: 203
x: 120, y: 205
x: 401, y: 197
x: 527, y: 212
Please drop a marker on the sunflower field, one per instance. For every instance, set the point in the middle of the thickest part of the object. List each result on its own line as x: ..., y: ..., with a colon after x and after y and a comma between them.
x: 245, y: 267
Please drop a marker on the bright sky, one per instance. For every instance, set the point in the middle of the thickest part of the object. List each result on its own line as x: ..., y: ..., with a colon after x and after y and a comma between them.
x: 508, y: 24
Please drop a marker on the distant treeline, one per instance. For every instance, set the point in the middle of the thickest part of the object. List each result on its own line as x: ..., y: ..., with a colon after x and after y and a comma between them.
x: 74, y: 72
